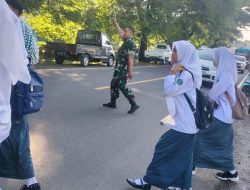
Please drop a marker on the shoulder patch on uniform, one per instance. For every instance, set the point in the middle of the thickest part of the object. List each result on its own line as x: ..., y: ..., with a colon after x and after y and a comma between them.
x: 131, y: 53
x: 179, y: 81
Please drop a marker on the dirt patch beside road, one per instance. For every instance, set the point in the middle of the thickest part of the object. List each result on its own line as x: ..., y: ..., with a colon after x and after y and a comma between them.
x: 205, y: 179
x: 242, y: 150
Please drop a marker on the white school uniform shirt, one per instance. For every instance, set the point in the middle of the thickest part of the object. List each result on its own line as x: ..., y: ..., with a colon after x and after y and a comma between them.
x: 13, y: 63
x: 224, y: 83
x: 181, y: 117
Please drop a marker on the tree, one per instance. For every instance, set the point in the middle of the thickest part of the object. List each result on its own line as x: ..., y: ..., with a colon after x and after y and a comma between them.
x: 212, y: 23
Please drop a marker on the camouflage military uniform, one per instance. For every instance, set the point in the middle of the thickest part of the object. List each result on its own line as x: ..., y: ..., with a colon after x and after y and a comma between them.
x: 120, y: 75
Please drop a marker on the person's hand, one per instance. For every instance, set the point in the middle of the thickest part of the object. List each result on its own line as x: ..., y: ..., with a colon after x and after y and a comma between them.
x: 130, y: 75
x: 176, y: 69
x: 114, y: 19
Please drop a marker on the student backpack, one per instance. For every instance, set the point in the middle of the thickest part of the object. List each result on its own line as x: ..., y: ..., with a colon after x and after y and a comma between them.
x: 203, y: 113
x: 240, y: 110
x: 27, y: 98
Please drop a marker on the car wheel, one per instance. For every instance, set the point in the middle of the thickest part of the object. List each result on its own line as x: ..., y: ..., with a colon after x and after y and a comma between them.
x: 168, y: 61
x: 59, y: 60
x: 163, y: 62
x: 85, y: 60
x: 110, y: 61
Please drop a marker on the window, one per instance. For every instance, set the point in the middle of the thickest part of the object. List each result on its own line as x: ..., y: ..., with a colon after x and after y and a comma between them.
x: 90, y: 37
x: 161, y: 47
x: 240, y: 58
x: 87, y: 37
x: 206, y: 55
x: 105, y: 40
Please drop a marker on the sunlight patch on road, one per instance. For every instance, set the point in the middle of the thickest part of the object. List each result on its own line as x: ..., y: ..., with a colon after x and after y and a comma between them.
x: 43, y: 155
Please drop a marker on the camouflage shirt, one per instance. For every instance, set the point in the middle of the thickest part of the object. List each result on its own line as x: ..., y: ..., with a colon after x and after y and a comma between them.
x: 30, y: 41
x: 127, y: 49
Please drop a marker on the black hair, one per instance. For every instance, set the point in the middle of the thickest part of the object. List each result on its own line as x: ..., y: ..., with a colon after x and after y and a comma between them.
x: 16, y: 4
x: 131, y: 28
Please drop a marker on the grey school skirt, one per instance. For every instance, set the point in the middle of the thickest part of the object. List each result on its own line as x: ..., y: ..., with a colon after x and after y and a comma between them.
x: 214, y: 147
x: 15, y: 157
x: 172, y: 161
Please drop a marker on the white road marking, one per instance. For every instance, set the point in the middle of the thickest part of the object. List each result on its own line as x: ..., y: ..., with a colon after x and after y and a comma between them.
x: 243, y: 80
x: 132, y: 83
x: 91, y: 68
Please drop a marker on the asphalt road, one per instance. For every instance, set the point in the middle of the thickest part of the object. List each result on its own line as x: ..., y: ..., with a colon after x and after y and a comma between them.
x: 79, y: 145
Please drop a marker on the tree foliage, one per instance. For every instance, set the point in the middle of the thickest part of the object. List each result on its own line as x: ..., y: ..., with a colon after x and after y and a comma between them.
x: 211, y: 23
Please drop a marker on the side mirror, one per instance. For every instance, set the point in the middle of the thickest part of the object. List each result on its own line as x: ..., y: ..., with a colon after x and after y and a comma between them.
x: 108, y: 43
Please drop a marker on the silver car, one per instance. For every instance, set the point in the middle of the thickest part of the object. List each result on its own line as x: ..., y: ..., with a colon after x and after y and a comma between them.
x: 207, y: 66
x: 241, y: 63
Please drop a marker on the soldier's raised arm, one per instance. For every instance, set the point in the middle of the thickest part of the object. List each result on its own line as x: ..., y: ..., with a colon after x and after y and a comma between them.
x: 118, y: 28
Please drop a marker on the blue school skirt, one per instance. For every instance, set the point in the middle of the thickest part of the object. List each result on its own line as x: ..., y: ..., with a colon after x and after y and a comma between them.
x: 15, y: 157
x: 172, y: 161
x: 214, y: 147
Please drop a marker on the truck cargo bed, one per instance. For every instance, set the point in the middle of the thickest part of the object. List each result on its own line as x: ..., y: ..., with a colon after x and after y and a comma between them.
x: 53, y: 47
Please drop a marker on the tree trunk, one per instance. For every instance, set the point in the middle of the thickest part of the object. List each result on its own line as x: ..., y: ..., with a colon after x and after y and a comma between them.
x: 143, y: 47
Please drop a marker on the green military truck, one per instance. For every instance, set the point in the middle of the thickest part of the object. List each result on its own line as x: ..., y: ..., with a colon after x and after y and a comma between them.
x: 90, y: 46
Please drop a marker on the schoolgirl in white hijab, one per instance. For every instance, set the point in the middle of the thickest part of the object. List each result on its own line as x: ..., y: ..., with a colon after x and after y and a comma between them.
x: 214, y: 146
x: 13, y: 64
x: 187, y: 60
x: 173, y: 158
x: 225, y: 81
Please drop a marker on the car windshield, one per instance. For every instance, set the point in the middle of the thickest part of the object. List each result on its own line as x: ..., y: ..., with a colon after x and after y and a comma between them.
x: 206, y: 55
x: 161, y: 46
x: 240, y: 58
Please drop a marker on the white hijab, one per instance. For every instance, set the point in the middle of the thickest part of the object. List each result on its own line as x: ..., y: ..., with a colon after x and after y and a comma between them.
x: 225, y: 61
x: 13, y: 63
x: 13, y: 55
x: 188, y: 57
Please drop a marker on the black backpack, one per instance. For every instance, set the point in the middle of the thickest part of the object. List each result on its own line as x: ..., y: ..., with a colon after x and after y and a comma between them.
x: 27, y: 98
x: 203, y: 113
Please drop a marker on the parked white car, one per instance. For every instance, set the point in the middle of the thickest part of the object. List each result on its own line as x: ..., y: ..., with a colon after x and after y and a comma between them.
x: 207, y: 65
x: 161, y: 52
x: 241, y: 63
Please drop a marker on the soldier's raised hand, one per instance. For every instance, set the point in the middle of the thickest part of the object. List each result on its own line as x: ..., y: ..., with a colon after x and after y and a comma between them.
x: 114, y: 19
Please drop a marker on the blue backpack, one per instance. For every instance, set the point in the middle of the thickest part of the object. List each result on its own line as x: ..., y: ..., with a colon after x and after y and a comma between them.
x: 27, y: 98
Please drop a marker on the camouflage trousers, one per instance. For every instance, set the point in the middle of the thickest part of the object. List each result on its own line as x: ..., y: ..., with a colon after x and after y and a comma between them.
x: 120, y: 84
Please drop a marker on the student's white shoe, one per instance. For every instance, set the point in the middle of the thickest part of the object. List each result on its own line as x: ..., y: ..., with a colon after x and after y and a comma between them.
x: 227, y: 176
x: 193, y: 171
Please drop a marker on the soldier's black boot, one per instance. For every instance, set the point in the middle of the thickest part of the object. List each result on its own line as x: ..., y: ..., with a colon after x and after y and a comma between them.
x: 111, y: 104
x: 134, y: 106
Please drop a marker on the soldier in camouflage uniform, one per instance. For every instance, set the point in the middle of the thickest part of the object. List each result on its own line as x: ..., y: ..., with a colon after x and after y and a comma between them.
x: 123, y: 69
